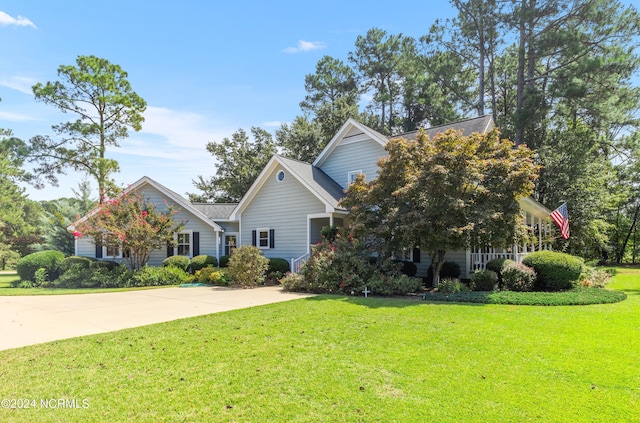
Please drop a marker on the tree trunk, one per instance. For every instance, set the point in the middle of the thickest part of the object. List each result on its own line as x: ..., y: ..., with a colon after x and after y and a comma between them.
x: 437, y: 260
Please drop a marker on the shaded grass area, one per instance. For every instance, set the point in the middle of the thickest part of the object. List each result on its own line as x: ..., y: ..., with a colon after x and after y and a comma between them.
x: 7, y: 279
x: 349, y: 359
x: 578, y: 296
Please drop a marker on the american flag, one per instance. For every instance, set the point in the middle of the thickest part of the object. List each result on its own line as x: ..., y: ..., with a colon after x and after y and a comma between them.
x: 561, y: 217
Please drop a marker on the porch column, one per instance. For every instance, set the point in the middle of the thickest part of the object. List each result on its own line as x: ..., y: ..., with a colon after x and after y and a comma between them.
x: 540, y: 233
x: 331, y: 220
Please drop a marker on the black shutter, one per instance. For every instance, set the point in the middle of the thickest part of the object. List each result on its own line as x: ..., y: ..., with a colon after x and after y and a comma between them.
x: 253, y: 238
x: 416, y: 255
x: 98, y: 250
x: 169, y: 250
x: 272, y: 236
x: 196, y: 244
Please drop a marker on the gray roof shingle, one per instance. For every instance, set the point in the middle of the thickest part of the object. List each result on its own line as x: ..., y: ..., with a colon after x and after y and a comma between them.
x: 480, y: 124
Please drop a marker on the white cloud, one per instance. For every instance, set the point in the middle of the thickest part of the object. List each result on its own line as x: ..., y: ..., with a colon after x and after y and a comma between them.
x: 19, y: 83
x: 6, y: 19
x: 15, y: 117
x: 305, y: 46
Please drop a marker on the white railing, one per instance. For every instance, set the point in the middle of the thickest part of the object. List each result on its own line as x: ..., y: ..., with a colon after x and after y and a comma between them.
x: 478, y: 261
x: 296, y: 263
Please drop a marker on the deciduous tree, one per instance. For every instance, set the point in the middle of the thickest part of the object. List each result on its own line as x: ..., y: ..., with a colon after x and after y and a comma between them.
x: 134, y: 224
x: 444, y: 194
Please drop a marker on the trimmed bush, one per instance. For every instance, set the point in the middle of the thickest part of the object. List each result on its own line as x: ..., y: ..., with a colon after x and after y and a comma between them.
x: 50, y: 260
x: 83, y: 262
x: 295, y: 282
x: 497, y: 265
x: 224, y: 261
x: 594, y: 278
x: 278, y: 265
x: 156, y: 276
x: 484, y: 280
x: 202, y: 261
x: 518, y: 277
x: 181, y: 262
x: 105, y: 264
x: 555, y: 271
x: 96, y: 276
x: 211, y: 275
x: 380, y: 284
x: 247, y: 266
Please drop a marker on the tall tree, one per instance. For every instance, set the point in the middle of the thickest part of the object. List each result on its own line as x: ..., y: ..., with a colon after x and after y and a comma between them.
x: 332, y: 96
x: 239, y: 162
x: 448, y: 193
x: 378, y: 60
x: 98, y: 93
x: 473, y: 38
x: 301, y: 140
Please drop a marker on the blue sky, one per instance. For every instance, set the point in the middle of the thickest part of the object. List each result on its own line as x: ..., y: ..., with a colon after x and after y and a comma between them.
x: 205, y: 68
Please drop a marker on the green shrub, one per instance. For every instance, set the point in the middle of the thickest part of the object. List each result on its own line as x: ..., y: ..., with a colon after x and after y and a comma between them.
x: 41, y: 277
x: 96, y: 276
x: 247, y: 266
x: 518, y: 277
x: 211, y: 275
x: 278, y: 265
x: 50, y: 260
x: 105, y: 264
x: 451, y: 286
x: 202, y: 261
x: 224, y: 261
x: 497, y: 265
x: 338, y: 267
x: 484, y: 280
x: 295, y: 282
x: 594, y: 278
x: 407, y: 268
x: 381, y: 284
x: 181, y: 262
x: 156, y: 276
x: 84, y: 262
x: 555, y: 271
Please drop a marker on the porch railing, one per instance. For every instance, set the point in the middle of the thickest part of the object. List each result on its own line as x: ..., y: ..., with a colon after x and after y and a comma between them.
x: 296, y: 263
x: 478, y: 261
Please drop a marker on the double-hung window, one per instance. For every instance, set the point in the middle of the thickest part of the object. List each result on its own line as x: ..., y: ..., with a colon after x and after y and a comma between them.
x: 184, y: 244
x: 263, y: 238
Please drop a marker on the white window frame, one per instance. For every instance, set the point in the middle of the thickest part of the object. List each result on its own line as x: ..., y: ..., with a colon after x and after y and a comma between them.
x: 406, y: 254
x: 267, y: 239
x: 351, y: 176
x: 105, y: 251
x: 175, y: 249
x: 224, y: 245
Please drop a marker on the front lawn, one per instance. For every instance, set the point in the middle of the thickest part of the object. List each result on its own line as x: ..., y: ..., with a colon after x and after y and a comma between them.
x: 332, y: 358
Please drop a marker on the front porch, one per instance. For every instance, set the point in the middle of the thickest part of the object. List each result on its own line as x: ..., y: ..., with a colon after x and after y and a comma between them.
x: 540, y: 232
x: 315, y: 223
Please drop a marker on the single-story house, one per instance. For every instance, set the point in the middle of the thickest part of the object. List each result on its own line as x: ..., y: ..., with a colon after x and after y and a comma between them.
x: 291, y: 201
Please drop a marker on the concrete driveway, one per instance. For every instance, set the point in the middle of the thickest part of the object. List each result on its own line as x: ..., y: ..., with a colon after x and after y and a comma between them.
x: 32, y: 320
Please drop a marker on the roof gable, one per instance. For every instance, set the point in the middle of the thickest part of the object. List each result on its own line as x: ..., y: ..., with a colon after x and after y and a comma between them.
x: 171, y: 195
x: 351, y: 131
x: 312, y: 178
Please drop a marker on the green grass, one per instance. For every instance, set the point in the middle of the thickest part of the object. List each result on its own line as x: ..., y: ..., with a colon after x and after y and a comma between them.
x: 348, y: 359
x: 6, y: 289
x: 578, y: 296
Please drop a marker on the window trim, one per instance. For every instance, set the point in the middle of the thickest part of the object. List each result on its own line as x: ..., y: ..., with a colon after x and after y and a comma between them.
x: 224, y: 242
x: 268, y: 238
x: 351, y: 176
x: 175, y: 248
x: 278, y: 173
